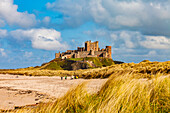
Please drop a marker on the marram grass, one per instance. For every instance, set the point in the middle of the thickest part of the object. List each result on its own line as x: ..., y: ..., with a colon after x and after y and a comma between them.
x: 122, y: 93
x: 145, y: 69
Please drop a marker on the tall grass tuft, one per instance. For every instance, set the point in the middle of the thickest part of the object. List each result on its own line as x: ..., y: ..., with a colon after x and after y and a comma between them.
x: 122, y: 93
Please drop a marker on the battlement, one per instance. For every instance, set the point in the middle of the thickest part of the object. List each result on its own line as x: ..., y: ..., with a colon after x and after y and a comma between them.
x: 91, y: 49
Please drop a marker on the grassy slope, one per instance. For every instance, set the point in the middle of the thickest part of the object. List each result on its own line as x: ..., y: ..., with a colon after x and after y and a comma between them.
x: 58, y: 64
x: 140, y: 70
x: 99, y: 62
x: 53, y: 66
x: 121, y: 94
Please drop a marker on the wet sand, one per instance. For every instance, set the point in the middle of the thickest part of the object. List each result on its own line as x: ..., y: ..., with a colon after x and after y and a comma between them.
x: 25, y: 90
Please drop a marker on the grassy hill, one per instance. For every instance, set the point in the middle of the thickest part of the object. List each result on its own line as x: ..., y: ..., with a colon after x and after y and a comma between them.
x: 76, y: 63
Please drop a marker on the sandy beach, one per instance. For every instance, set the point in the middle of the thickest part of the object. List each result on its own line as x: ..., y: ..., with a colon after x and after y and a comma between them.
x: 16, y: 91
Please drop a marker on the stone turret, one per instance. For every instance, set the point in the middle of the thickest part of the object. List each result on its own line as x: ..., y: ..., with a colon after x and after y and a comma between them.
x: 87, y: 45
x: 109, y: 51
x: 58, y: 55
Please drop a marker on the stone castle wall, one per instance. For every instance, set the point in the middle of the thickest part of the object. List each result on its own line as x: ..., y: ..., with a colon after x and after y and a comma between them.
x: 91, y: 49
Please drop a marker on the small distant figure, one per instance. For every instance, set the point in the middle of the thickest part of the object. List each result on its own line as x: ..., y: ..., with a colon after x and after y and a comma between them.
x: 16, y: 76
x: 61, y: 78
x: 76, y: 77
x: 65, y: 77
x: 72, y: 77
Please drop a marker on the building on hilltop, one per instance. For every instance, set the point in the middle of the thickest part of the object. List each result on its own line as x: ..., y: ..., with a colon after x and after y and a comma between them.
x: 91, y: 49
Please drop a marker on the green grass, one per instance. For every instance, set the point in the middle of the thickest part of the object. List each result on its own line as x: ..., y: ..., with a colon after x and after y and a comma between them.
x: 58, y: 64
x: 76, y: 59
x: 53, y: 66
x: 107, y: 62
x: 97, y: 62
x: 100, y: 62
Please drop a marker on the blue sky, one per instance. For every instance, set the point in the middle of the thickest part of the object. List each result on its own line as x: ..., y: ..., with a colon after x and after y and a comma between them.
x: 31, y: 31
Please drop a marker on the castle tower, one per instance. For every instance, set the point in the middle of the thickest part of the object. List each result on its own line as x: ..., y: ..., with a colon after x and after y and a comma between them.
x: 58, y: 55
x: 96, y: 46
x: 87, y: 45
x: 91, y: 46
x: 109, y: 51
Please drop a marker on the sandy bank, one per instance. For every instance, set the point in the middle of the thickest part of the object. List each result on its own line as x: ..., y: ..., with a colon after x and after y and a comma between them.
x: 25, y: 90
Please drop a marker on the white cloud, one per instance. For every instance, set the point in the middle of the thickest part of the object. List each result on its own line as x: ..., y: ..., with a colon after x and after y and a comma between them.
x: 156, y: 42
x: 79, y: 15
x: 2, y: 52
x: 150, y: 17
x: 9, y: 14
x: 151, y: 53
x: 113, y: 36
x: 136, y: 40
x: 48, y: 39
x: 28, y: 54
x: 2, y: 23
x: 126, y: 37
x: 133, y: 45
x: 3, y: 33
x: 127, y: 21
x: 131, y: 39
x: 46, y: 20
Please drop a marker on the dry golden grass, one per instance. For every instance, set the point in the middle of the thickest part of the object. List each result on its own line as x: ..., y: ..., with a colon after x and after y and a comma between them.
x: 131, y: 88
x: 144, y: 69
x: 121, y: 94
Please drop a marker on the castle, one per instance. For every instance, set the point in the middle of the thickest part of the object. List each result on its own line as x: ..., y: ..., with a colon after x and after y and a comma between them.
x: 91, y: 49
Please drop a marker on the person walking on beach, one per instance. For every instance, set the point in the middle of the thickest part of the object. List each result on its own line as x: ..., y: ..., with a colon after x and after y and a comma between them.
x: 76, y: 77
x: 71, y: 78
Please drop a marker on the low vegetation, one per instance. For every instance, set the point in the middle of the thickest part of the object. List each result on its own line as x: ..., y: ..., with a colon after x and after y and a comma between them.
x: 131, y: 88
x: 122, y: 93
x: 75, y: 63
x: 144, y: 69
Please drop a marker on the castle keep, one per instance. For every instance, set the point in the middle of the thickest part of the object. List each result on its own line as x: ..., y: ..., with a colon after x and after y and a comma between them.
x: 91, y: 49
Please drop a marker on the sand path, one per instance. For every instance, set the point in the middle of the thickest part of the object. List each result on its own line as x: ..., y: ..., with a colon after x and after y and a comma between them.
x: 25, y: 90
